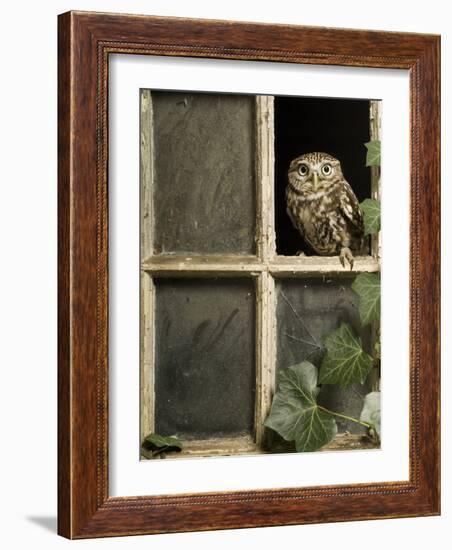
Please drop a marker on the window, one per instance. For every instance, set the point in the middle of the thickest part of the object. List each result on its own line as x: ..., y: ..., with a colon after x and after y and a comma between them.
x: 225, y: 300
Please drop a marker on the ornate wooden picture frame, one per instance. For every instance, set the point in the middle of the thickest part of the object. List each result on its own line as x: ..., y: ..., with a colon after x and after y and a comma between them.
x: 85, y: 508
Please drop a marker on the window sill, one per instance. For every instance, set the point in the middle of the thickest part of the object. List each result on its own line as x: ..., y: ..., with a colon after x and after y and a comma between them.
x: 245, y: 445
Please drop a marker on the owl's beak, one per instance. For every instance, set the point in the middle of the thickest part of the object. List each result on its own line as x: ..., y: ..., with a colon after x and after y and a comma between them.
x: 315, y: 180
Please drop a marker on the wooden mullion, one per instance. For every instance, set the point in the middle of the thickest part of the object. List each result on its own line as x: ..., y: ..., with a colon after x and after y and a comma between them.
x: 147, y: 288
x: 146, y: 173
x: 375, y: 171
x: 265, y: 163
x: 147, y: 355
x: 294, y: 266
x: 265, y: 284
x: 279, y: 266
x: 265, y: 351
x: 172, y: 264
x: 375, y: 174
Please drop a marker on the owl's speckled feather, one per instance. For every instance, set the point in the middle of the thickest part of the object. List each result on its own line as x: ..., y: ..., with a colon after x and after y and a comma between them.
x: 323, y: 206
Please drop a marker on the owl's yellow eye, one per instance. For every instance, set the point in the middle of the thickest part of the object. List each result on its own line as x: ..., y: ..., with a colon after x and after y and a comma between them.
x: 303, y: 169
x: 326, y: 169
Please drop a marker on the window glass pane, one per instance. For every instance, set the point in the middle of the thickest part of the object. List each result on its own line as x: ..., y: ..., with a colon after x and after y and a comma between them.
x: 203, y: 173
x: 205, y: 371
x: 307, y: 311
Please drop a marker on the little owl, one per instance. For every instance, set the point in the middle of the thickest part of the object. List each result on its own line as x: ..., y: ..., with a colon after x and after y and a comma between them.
x: 323, y: 207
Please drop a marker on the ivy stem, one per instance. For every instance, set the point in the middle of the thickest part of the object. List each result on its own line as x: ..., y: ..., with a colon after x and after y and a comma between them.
x: 345, y: 417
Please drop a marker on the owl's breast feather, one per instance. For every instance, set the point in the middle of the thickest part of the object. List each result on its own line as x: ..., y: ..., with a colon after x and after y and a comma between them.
x: 312, y: 218
x: 304, y: 214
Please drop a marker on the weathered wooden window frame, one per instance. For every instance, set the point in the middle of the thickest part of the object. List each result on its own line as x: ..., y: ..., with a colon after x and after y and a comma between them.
x: 264, y: 267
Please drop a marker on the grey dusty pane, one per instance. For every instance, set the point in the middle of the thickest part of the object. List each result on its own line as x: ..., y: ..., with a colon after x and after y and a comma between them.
x: 308, y: 310
x: 205, y: 371
x: 203, y: 158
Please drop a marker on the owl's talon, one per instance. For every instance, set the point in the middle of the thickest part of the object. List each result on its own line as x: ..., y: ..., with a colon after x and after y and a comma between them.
x: 346, y: 254
x: 300, y: 253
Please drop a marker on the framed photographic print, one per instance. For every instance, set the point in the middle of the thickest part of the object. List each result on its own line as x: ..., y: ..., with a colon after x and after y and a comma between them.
x: 248, y: 275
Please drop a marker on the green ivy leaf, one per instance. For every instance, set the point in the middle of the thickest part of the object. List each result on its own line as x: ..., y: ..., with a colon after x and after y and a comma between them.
x: 371, y: 410
x: 295, y: 414
x: 345, y: 361
x: 158, y: 444
x: 367, y: 286
x: 373, y: 157
x: 372, y: 214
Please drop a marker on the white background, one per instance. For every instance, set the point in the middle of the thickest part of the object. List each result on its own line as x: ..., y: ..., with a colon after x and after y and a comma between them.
x: 28, y: 274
